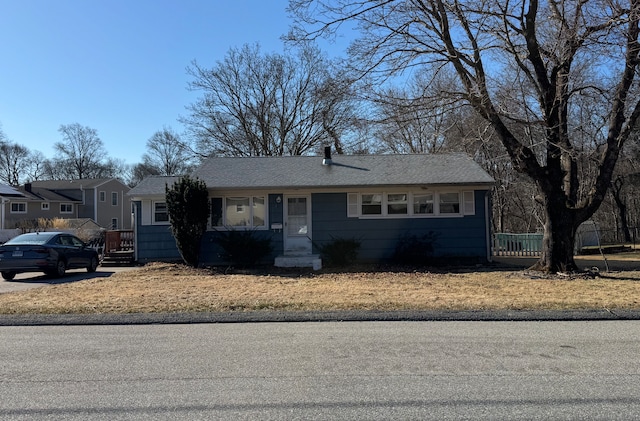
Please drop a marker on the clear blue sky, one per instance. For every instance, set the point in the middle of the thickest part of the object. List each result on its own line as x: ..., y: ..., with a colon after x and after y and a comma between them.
x: 117, y: 66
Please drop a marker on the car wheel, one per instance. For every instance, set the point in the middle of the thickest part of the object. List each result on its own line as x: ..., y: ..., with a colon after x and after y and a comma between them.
x: 8, y: 276
x: 61, y: 268
x: 93, y: 264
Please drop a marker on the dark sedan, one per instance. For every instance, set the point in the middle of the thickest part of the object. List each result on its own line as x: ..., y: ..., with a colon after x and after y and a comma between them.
x: 49, y: 252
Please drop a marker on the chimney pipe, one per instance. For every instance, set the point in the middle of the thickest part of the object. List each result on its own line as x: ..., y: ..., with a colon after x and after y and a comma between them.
x: 327, y: 156
x: 27, y: 187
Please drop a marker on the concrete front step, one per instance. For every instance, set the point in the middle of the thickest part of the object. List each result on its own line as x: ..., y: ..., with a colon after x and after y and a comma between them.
x: 299, y: 261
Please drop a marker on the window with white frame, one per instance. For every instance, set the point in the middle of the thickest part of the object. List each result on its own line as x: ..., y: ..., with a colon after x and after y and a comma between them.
x: 102, y: 196
x: 397, y: 204
x: 44, y: 206
x: 114, y: 198
x: 423, y: 204
x: 66, y: 207
x: 371, y: 204
x: 239, y: 212
x: 449, y: 202
x: 160, y: 213
x: 410, y: 204
x: 18, y: 207
x: 114, y: 223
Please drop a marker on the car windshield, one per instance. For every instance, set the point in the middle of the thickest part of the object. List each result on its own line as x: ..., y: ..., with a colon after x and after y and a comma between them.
x: 31, y: 238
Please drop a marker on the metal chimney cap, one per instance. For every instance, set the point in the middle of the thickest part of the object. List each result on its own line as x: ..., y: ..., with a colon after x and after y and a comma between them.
x: 327, y: 156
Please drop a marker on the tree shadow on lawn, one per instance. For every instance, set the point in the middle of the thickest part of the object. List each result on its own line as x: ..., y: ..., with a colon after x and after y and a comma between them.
x: 72, y: 275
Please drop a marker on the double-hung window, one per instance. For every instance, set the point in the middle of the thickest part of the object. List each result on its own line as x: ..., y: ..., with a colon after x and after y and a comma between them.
x: 419, y: 204
x: 397, y: 204
x: 239, y: 212
x: 160, y: 213
x: 66, y: 207
x: 423, y: 204
x: 372, y: 204
x: 449, y: 203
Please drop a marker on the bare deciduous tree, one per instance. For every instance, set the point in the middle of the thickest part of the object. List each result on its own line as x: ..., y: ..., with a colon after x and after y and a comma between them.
x: 13, y: 159
x: 553, y: 53
x: 266, y: 104
x: 80, y: 154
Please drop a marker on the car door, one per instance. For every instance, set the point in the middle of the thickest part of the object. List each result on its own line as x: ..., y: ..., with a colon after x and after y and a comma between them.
x: 72, y: 250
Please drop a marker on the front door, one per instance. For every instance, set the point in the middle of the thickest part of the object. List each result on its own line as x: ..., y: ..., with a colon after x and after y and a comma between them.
x: 297, y: 239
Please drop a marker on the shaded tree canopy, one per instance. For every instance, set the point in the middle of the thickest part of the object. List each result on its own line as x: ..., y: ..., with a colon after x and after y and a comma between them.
x: 268, y: 104
x: 528, y: 67
x: 188, y: 208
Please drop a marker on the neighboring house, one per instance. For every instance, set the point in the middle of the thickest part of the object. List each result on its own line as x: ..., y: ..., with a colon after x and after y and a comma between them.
x: 7, y: 193
x: 102, y: 200
x: 300, y: 202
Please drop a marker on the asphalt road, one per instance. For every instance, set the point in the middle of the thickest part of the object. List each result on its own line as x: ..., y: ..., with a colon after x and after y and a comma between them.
x: 337, y: 371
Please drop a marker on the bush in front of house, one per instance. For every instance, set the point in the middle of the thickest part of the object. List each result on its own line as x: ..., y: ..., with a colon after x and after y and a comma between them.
x: 188, y: 208
x: 413, y: 249
x: 243, y: 248
x: 339, y: 251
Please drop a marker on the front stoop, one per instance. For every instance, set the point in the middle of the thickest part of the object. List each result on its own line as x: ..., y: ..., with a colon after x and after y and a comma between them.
x: 299, y: 261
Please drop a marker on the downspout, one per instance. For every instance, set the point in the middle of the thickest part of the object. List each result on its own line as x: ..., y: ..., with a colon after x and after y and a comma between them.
x: 487, y: 224
x: 135, y: 232
x: 121, y: 209
x: 95, y: 205
x: 2, y: 202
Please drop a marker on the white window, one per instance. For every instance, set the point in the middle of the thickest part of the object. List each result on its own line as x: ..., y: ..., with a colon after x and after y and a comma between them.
x: 114, y: 198
x: 66, y: 207
x: 423, y: 204
x: 419, y: 204
x: 449, y: 203
x: 18, y: 207
x: 102, y: 196
x: 44, y: 206
x: 160, y: 213
x: 372, y: 204
x: 397, y: 204
x: 114, y: 223
x: 239, y: 212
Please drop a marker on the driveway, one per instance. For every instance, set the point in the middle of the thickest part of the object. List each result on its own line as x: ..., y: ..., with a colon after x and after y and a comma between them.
x: 24, y: 281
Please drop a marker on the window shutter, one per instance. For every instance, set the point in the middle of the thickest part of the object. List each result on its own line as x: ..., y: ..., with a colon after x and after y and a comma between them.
x: 469, y: 203
x: 352, y: 205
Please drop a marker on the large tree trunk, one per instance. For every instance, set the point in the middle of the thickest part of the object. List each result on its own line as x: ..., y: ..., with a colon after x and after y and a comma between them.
x: 559, y: 236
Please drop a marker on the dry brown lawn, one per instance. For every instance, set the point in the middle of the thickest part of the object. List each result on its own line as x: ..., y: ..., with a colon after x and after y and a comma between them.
x: 164, y: 287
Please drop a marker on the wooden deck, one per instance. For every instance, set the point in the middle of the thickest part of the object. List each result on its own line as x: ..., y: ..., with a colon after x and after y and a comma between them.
x: 119, y: 248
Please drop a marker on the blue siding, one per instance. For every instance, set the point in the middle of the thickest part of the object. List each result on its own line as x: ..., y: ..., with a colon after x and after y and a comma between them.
x: 211, y: 252
x: 154, y: 242
x: 457, y: 237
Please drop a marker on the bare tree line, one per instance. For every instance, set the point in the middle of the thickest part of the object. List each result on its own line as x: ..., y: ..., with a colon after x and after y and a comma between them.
x: 543, y: 94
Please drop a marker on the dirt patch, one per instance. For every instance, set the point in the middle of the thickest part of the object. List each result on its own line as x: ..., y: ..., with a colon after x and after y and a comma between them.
x: 163, y: 287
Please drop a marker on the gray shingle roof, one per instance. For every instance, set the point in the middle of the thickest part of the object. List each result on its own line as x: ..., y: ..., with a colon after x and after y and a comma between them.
x: 152, y: 185
x: 346, y: 171
x: 86, y: 183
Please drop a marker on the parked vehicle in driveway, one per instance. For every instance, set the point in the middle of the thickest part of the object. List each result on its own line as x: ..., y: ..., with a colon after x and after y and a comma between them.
x: 49, y: 252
